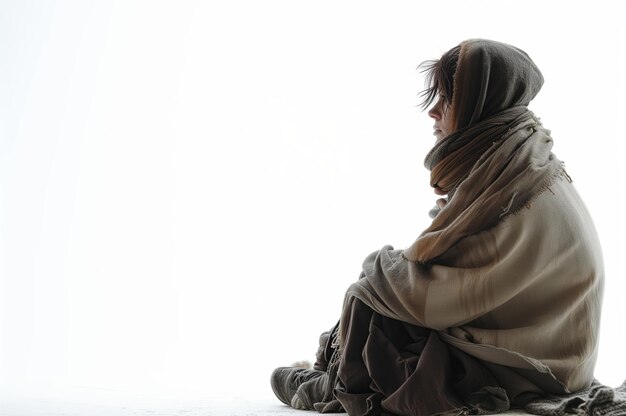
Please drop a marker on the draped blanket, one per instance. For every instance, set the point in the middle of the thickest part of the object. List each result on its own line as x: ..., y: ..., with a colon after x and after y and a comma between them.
x: 523, y: 298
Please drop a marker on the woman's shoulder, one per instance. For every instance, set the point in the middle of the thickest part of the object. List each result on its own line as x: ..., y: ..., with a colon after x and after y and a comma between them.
x: 556, y: 219
x: 558, y: 209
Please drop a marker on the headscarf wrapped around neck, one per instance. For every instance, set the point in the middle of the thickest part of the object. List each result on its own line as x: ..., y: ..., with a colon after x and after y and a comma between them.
x: 499, y: 155
x: 492, y: 87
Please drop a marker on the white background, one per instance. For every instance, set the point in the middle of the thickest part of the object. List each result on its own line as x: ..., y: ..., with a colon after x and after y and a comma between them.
x: 187, y: 188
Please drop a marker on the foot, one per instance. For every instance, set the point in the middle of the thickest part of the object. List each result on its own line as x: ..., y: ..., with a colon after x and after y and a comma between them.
x: 285, y: 382
x: 310, y: 392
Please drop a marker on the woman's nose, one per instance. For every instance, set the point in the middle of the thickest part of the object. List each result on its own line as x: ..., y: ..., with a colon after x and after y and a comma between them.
x: 434, y: 113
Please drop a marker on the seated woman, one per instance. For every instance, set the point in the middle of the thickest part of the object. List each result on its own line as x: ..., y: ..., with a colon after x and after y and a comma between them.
x: 498, y: 301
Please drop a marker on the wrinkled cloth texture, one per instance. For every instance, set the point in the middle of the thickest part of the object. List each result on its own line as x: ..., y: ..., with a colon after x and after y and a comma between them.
x: 524, y: 295
x: 386, y: 361
x: 415, y: 346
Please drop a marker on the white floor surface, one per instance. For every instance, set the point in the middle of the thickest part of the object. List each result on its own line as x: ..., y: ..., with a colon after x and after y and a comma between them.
x: 215, y: 407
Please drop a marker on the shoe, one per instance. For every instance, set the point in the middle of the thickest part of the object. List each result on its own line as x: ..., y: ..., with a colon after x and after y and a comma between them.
x: 310, y: 392
x: 285, y: 382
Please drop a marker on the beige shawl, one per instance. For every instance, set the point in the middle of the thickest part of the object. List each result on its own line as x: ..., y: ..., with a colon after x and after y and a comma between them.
x: 511, y: 270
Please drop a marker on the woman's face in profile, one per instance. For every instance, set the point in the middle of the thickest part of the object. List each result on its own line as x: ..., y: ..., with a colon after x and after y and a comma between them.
x: 442, y: 115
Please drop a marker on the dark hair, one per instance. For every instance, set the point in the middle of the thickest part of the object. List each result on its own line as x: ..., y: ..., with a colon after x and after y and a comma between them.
x: 439, y: 77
